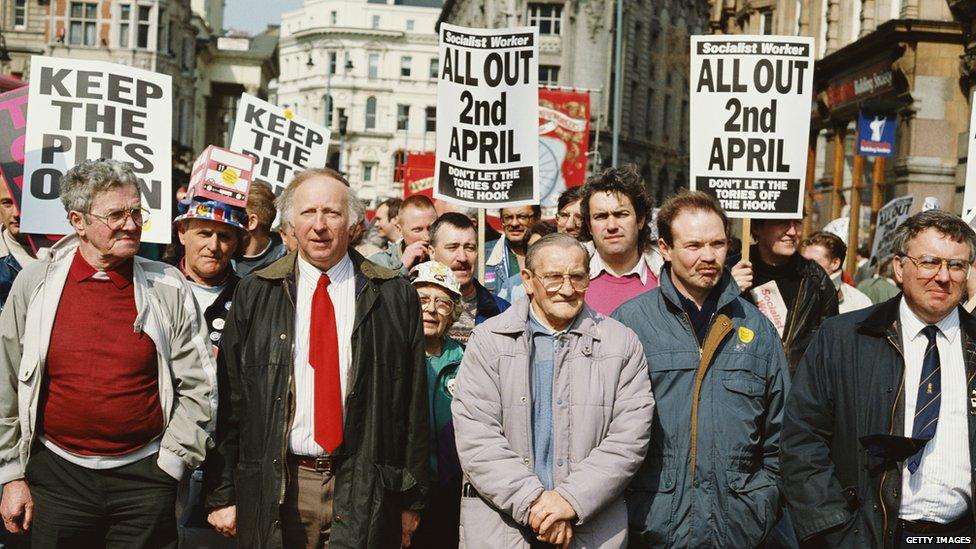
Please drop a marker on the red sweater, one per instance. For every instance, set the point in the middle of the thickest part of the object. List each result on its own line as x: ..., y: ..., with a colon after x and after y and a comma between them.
x: 101, y: 392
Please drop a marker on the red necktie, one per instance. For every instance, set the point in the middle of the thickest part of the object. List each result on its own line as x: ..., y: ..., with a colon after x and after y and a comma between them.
x: 323, y: 356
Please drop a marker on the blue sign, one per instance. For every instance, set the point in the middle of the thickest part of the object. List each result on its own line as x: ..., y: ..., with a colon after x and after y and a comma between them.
x: 875, y: 134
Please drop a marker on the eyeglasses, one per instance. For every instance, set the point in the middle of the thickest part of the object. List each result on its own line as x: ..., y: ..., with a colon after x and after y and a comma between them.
x: 524, y: 219
x: 442, y: 306
x: 928, y: 265
x: 553, y: 282
x: 116, y: 219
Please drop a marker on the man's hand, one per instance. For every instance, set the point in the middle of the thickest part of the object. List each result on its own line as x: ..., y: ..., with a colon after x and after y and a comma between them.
x: 414, y: 254
x: 17, y: 507
x: 560, y: 534
x: 409, y: 520
x: 547, y: 509
x: 224, y: 520
x: 742, y: 273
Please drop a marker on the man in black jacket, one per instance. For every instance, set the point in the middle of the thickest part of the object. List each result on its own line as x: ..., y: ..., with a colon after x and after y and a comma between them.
x: 322, y: 429
x: 878, y: 438
x: 795, y: 293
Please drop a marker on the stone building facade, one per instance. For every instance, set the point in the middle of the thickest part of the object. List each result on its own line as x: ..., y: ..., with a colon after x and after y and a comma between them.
x: 181, y: 38
x: 911, y: 48
x: 576, y: 51
x: 368, y: 70
x: 22, y: 25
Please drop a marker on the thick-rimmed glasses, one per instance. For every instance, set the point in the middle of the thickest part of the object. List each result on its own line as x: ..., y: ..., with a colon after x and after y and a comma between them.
x: 116, y: 219
x: 553, y: 282
x: 929, y: 265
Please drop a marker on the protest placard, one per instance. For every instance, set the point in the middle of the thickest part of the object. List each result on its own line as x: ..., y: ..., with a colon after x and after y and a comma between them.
x: 487, y: 117
x: 281, y: 142
x: 13, y: 131
x: 750, y: 123
x: 969, y: 193
x: 890, y: 216
x: 81, y: 110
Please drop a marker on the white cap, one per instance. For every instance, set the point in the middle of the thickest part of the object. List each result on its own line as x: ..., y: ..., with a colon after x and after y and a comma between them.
x: 438, y: 274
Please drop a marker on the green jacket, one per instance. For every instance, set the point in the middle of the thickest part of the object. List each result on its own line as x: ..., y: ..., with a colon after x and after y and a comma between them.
x: 710, y: 476
x: 441, y: 371
x: 384, y: 460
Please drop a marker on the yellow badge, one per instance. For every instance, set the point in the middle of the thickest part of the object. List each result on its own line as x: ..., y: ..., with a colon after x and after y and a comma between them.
x: 289, y: 114
x: 745, y: 334
x: 230, y: 176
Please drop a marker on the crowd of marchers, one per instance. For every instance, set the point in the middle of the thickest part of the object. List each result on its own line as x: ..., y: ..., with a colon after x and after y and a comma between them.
x: 333, y: 382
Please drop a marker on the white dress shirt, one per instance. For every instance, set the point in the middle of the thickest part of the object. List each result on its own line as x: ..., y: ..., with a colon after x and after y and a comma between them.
x: 342, y: 291
x: 939, y: 490
x: 597, y: 266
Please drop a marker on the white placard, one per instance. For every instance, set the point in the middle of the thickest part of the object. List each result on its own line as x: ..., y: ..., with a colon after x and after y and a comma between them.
x: 969, y: 194
x: 83, y: 110
x: 487, y: 117
x: 890, y: 216
x: 281, y: 142
x: 769, y: 301
x: 750, y: 122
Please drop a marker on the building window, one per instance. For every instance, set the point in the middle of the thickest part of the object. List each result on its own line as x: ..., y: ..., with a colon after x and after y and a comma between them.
x: 376, y: 21
x: 370, y: 113
x: 684, y: 125
x: 333, y: 62
x: 369, y: 168
x: 548, y: 75
x: 20, y: 14
x: 403, y: 116
x: 83, y: 23
x: 142, y: 27
x: 374, y: 66
x: 430, y: 119
x: 666, y: 114
x: 636, y: 55
x: 548, y: 17
x: 333, y: 17
x: 648, y: 109
x: 125, y: 27
x: 327, y: 105
x: 766, y: 22
x: 409, y: 25
x: 405, y: 66
x: 434, y: 67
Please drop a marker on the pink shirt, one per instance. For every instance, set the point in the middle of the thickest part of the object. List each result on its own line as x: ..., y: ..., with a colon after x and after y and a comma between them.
x: 607, y: 291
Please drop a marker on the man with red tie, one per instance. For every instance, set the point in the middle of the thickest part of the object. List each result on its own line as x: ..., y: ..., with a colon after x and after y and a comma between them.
x: 322, y: 428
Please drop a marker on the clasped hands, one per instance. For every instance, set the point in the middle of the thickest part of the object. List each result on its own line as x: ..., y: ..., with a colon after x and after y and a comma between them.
x: 551, y: 519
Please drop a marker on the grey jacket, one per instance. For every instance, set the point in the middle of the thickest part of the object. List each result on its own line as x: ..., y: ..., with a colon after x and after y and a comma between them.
x: 165, y: 311
x: 602, y: 409
x: 711, y: 473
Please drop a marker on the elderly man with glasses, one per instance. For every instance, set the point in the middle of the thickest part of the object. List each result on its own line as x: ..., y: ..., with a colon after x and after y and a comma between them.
x: 878, y: 436
x: 552, y: 414
x: 107, y: 379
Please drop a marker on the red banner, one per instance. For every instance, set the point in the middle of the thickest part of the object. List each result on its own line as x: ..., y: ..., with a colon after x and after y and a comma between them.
x: 564, y: 138
x: 417, y: 174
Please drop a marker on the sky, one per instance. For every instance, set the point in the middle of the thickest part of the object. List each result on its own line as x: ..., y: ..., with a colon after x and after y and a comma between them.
x: 255, y: 15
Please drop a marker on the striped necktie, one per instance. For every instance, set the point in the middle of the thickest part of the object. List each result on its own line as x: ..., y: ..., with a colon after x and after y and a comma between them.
x: 929, y: 396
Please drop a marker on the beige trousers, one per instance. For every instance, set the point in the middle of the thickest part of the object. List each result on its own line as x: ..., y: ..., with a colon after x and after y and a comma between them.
x: 306, y: 515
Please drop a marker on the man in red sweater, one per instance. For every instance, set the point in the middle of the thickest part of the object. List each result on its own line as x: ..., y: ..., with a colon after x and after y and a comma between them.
x: 105, y: 379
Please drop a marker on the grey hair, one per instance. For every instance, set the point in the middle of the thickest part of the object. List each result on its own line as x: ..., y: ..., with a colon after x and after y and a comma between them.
x: 949, y: 225
x: 286, y: 200
x: 562, y: 240
x: 85, y: 180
